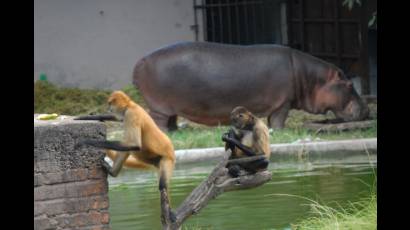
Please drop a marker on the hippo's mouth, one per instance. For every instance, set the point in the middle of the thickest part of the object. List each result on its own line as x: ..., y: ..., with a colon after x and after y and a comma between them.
x: 353, y: 111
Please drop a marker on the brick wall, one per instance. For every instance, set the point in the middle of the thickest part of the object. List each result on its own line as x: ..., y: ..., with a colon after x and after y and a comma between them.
x: 70, y: 187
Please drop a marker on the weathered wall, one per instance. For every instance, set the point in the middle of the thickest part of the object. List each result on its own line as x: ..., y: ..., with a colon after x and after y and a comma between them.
x: 96, y: 43
x: 70, y: 187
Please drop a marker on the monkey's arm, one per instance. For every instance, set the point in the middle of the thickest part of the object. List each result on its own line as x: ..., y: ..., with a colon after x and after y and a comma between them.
x: 229, y: 134
x: 102, y: 117
x: 238, y: 144
x: 113, y: 145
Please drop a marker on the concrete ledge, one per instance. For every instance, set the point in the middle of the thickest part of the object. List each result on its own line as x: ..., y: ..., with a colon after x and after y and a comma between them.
x: 322, y: 147
x: 70, y: 187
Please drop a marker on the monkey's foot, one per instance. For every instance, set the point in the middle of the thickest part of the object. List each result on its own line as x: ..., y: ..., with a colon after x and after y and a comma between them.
x: 107, y: 167
x: 234, y: 170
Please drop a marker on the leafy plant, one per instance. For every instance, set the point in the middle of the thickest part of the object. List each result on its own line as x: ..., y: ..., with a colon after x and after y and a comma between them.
x: 350, y: 3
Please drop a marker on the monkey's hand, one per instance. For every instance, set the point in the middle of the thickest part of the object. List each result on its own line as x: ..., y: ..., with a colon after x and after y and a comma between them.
x: 225, y: 138
x: 238, y: 144
x: 101, y: 117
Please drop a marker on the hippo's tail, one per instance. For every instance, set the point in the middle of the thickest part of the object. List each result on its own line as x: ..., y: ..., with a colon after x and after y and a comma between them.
x: 138, y: 71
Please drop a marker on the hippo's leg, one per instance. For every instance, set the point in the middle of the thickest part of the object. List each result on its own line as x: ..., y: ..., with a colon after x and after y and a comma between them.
x: 165, y: 122
x: 172, y: 123
x: 277, y: 118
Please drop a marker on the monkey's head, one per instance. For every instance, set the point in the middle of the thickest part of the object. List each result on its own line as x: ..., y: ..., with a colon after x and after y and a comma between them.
x: 118, y: 102
x: 241, y: 118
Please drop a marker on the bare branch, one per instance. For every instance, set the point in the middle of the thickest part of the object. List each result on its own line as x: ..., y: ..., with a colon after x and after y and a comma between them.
x: 218, y: 182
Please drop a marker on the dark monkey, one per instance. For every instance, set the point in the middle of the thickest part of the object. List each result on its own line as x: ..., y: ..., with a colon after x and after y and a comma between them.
x: 249, y: 136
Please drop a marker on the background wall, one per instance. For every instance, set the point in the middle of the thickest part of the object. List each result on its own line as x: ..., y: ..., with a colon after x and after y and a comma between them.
x: 96, y: 43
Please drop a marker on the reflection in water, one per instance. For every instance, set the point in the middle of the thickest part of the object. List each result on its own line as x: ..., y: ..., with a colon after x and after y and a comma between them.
x: 134, y: 198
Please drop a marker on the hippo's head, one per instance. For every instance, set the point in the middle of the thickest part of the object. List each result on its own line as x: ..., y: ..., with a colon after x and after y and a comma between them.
x: 339, y: 96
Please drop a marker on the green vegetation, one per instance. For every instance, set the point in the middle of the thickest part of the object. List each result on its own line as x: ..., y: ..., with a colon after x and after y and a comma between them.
x: 211, y: 136
x: 358, y: 215
x: 49, y: 98
x: 363, y: 217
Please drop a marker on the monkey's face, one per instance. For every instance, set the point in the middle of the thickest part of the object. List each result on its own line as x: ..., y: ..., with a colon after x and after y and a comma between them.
x: 241, y: 117
x: 117, y: 102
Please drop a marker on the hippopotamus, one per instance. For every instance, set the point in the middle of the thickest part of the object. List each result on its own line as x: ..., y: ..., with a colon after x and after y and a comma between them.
x: 204, y: 81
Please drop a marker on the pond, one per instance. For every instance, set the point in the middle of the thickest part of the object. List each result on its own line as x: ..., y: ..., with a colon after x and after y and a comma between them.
x: 334, y: 180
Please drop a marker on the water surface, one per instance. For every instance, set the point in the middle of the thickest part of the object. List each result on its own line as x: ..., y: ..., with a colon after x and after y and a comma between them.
x: 332, y: 180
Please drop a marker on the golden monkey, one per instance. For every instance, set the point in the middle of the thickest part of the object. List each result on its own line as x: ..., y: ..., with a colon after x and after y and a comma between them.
x: 144, y: 145
x: 249, y: 136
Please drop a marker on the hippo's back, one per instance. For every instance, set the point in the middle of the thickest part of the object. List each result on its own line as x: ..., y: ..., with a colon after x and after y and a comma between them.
x: 204, y: 78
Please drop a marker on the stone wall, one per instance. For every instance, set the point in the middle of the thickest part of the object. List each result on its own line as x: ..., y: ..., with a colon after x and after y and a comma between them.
x: 70, y: 187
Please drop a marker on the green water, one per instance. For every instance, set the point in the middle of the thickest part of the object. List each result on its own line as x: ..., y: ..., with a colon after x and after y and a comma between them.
x: 134, y: 199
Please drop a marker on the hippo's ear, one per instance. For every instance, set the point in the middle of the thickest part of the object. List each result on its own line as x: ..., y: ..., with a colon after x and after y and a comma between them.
x: 336, y: 75
x: 349, y: 84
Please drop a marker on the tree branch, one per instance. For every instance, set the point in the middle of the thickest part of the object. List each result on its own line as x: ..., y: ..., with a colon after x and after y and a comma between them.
x: 218, y: 182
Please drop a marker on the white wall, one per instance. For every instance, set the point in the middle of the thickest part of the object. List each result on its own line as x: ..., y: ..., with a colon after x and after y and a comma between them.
x: 96, y: 43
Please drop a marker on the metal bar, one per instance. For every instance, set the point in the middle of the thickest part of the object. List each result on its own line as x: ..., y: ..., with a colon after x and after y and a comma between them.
x: 220, y: 24
x: 324, y: 20
x: 246, y: 23
x: 263, y: 22
x: 324, y: 54
x: 229, y: 24
x: 237, y: 23
x: 365, y: 78
x: 302, y: 25
x: 254, y: 23
x: 212, y: 23
x: 337, y: 34
x: 204, y: 21
x: 283, y: 23
x: 323, y: 25
x: 231, y: 4
x: 289, y: 6
x: 195, y: 21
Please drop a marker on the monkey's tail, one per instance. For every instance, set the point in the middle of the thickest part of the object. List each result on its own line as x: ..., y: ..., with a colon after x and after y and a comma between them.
x: 114, y: 145
x: 166, y: 168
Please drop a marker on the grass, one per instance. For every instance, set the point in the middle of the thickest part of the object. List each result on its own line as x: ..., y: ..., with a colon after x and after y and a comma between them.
x: 49, y: 98
x: 205, y: 137
x: 360, y: 215
x: 211, y: 137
